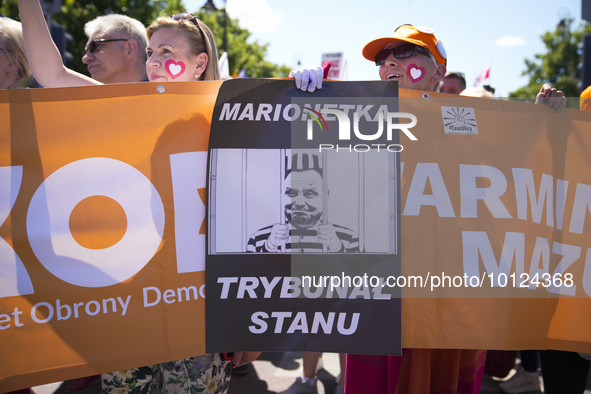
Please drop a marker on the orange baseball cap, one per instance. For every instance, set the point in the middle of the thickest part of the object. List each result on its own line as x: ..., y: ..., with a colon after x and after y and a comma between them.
x: 419, y: 35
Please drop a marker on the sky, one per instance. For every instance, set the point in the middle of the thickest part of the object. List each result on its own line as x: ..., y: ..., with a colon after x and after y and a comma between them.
x: 502, y: 32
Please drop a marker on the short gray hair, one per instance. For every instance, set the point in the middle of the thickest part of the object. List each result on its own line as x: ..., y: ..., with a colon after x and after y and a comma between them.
x: 120, y: 24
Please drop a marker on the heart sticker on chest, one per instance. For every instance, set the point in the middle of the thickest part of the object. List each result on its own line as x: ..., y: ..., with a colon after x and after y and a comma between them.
x: 415, y: 73
x: 174, y: 69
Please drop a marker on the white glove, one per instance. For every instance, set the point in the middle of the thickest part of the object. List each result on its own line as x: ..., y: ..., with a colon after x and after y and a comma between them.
x: 308, y: 79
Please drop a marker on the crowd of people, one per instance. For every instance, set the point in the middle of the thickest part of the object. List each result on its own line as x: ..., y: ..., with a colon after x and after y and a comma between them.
x: 120, y: 49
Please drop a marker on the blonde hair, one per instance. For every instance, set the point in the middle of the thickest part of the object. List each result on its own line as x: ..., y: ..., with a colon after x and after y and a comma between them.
x: 212, y: 71
x: 11, y: 42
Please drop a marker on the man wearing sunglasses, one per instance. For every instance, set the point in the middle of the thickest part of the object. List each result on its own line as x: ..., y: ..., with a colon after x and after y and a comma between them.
x: 116, y: 49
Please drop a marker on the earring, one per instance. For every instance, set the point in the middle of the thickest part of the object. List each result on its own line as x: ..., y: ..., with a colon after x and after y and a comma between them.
x: 196, y: 76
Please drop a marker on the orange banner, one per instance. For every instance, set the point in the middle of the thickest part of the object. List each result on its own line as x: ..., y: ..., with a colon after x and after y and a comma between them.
x: 102, y: 205
x: 95, y: 182
x: 496, y: 197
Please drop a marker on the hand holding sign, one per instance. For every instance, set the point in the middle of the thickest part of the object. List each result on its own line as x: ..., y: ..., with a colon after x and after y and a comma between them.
x: 551, y: 97
x: 310, y: 79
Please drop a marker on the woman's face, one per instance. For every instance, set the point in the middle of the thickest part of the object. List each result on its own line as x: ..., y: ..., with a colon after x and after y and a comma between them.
x: 170, y: 58
x: 414, y: 72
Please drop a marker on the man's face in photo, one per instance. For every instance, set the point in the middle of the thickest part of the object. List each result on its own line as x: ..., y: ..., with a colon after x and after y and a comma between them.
x: 302, y: 198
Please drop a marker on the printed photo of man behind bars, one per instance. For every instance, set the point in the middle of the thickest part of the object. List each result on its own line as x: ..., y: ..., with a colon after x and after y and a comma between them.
x: 302, y: 201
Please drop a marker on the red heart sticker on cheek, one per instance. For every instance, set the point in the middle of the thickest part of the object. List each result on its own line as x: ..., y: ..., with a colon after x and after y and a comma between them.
x: 415, y: 73
x: 174, y: 69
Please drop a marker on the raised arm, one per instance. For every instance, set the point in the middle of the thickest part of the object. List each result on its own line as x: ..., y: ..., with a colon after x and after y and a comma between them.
x: 44, y: 58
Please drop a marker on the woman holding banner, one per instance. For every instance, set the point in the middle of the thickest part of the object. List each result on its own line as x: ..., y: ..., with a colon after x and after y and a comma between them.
x: 181, y: 48
x: 415, y: 58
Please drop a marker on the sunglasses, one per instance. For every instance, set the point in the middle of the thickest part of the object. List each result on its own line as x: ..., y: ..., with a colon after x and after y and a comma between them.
x: 94, y: 44
x: 400, y: 52
x: 187, y: 16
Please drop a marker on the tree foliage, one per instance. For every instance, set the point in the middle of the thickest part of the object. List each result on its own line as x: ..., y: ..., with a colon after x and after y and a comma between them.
x: 560, y: 66
x: 9, y: 8
x: 75, y: 14
x: 241, y: 54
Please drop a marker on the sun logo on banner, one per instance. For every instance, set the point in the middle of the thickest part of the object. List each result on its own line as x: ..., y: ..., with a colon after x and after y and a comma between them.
x: 459, y: 120
x: 316, y: 119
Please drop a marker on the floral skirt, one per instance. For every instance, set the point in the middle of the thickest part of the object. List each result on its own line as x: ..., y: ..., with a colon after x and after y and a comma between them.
x: 204, y: 374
